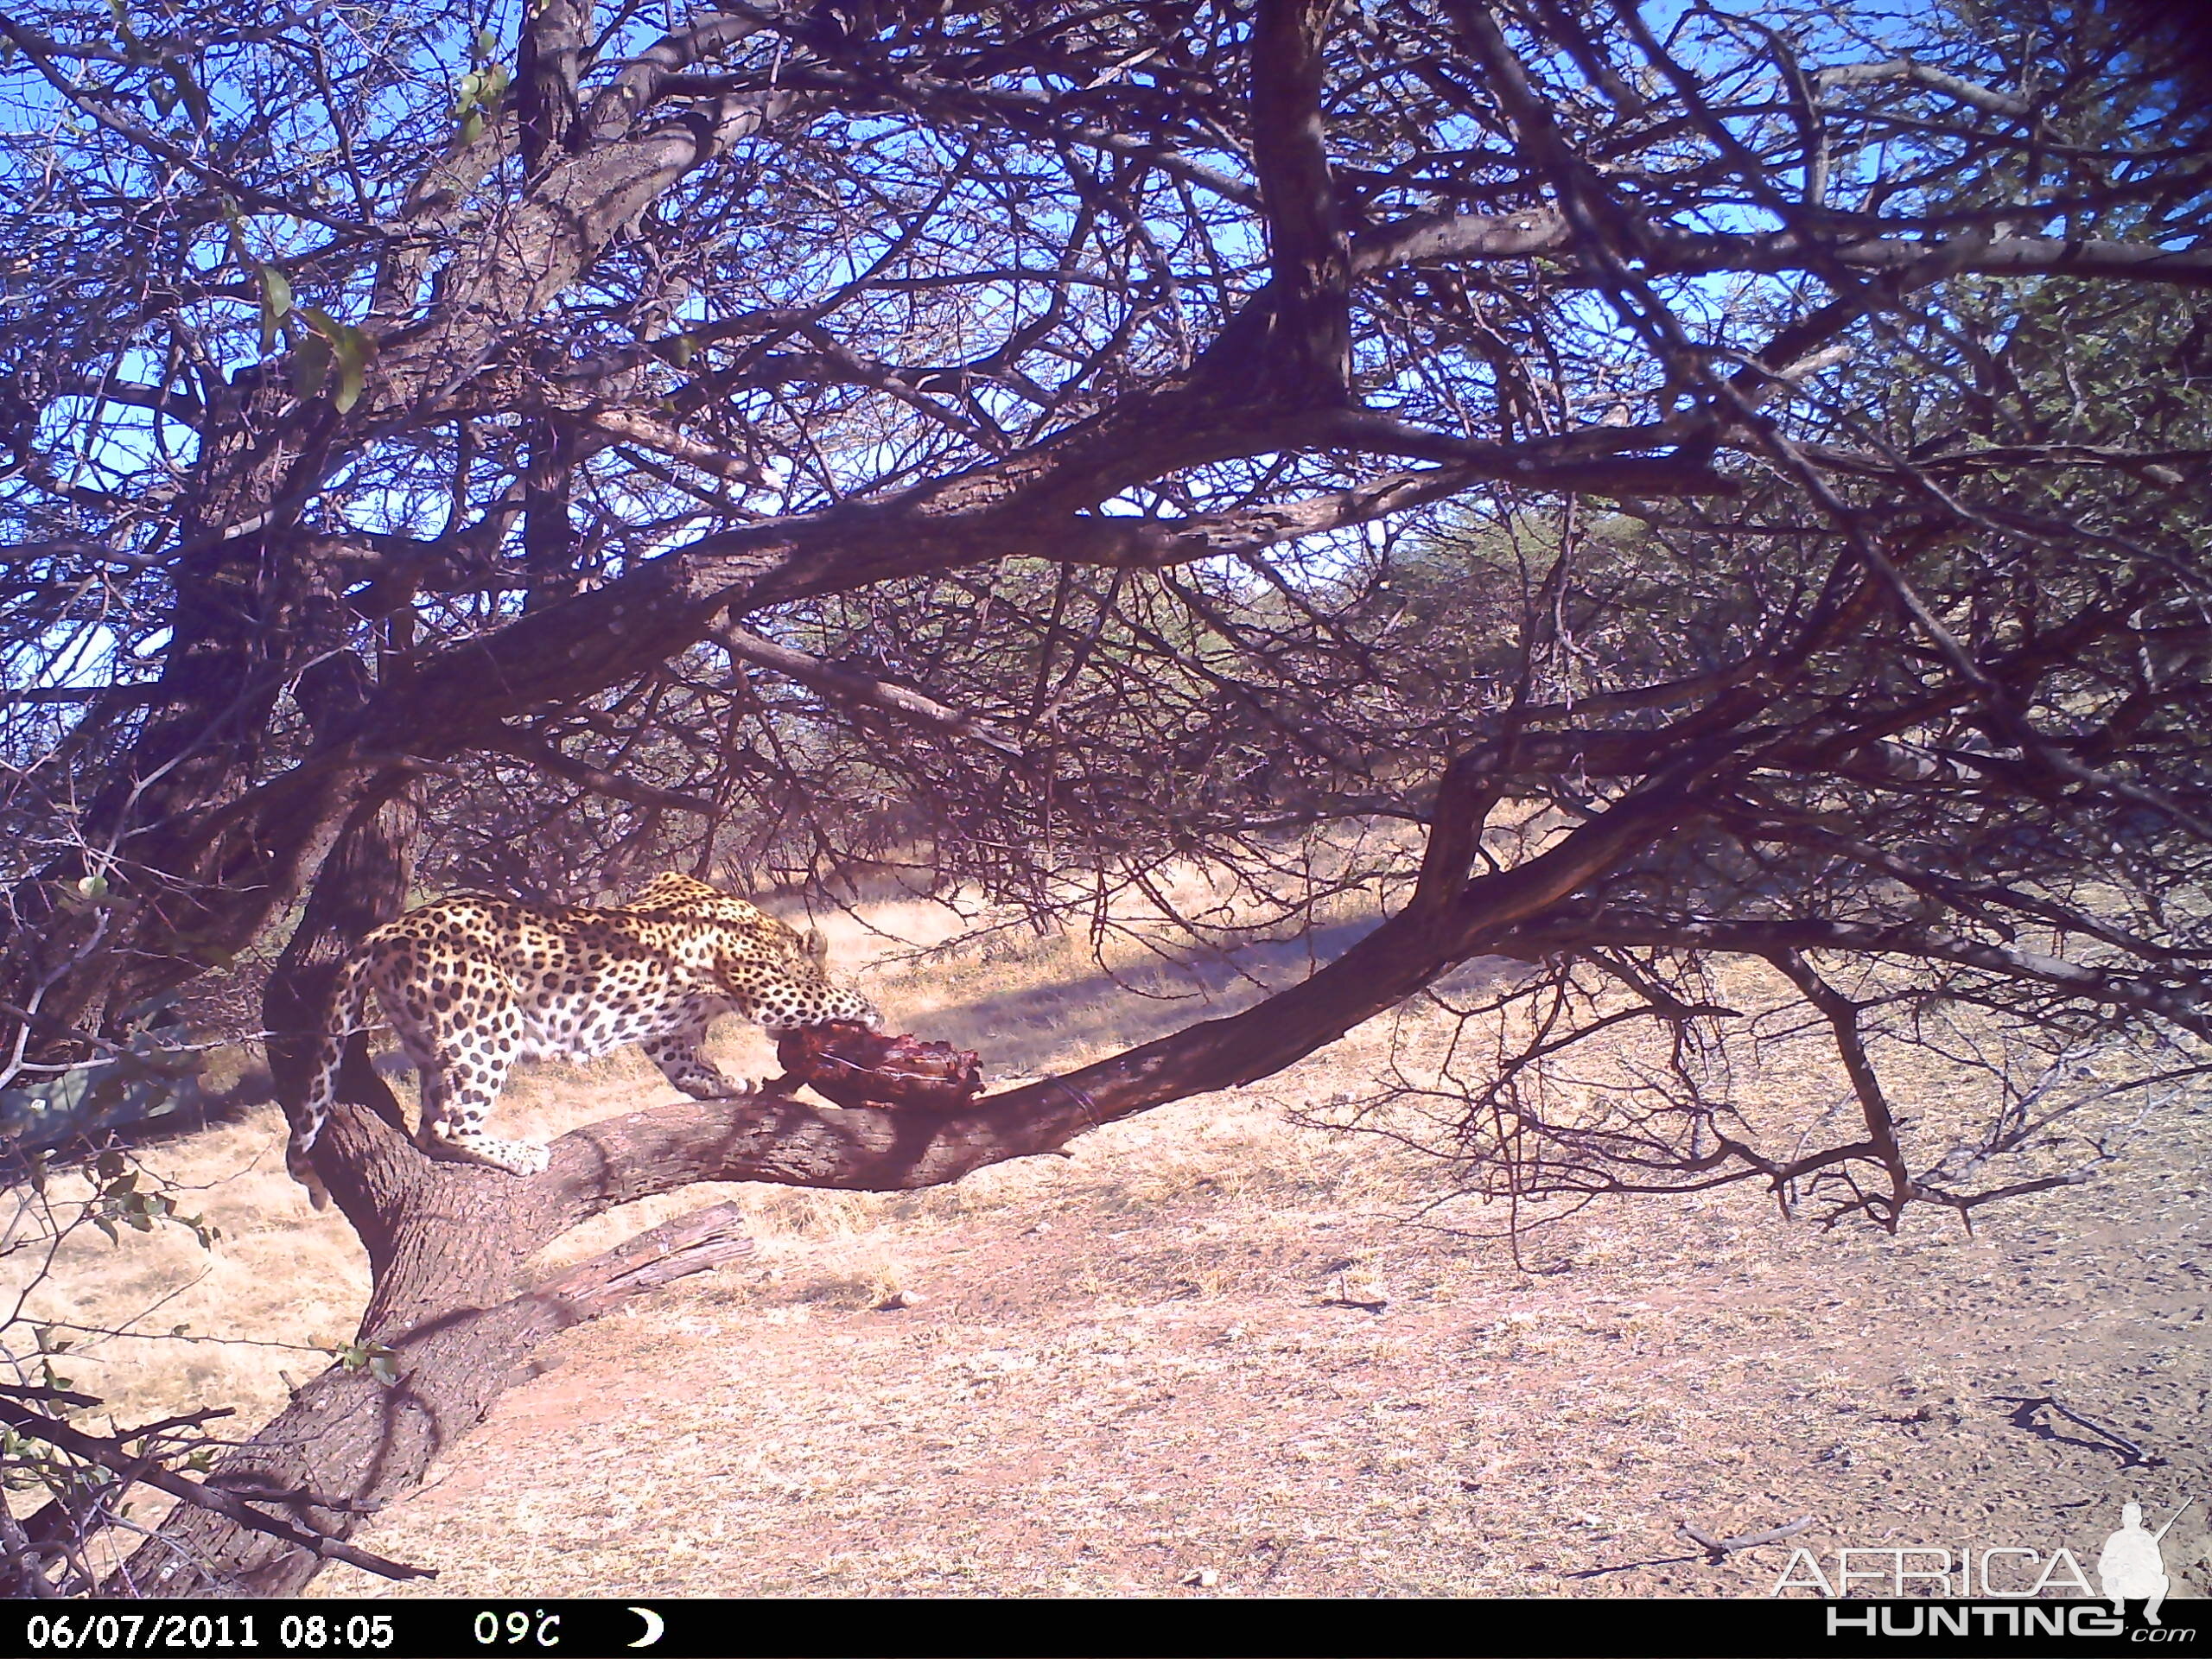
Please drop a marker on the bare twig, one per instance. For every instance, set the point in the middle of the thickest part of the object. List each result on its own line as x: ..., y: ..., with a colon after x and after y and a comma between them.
x: 1716, y: 1548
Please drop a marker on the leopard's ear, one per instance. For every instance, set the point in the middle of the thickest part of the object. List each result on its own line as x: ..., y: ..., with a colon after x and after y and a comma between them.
x: 818, y: 945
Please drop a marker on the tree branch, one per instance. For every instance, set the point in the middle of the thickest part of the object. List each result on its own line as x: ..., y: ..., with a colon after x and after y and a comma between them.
x: 2184, y: 1002
x: 849, y: 685
x: 528, y: 746
x: 132, y: 1466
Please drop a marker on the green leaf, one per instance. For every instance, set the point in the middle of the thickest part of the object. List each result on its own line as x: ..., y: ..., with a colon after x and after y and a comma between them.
x: 471, y: 127
x: 92, y: 887
x: 352, y: 348
x: 310, y: 364
x: 276, y: 305
x: 486, y: 43
x: 378, y: 1361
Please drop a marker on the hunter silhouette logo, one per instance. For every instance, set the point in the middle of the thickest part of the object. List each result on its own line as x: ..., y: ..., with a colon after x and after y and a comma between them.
x: 2132, y: 1565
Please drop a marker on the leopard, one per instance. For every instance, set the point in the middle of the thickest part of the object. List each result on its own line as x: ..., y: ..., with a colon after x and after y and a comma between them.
x: 473, y: 983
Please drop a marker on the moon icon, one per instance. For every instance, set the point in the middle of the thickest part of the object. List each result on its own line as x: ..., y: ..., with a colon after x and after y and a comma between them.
x: 655, y: 1627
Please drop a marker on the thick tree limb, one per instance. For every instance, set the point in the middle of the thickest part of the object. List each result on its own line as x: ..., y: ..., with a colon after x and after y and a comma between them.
x: 688, y: 1245
x: 1981, y: 98
x: 1311, y: 338
x: 566, y: 650
x: 1545, y: 231
x: 527, y: 746
x: 849, y: 685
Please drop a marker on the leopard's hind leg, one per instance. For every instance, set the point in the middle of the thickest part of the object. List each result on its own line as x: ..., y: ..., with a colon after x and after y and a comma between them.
x: 463, y: 1068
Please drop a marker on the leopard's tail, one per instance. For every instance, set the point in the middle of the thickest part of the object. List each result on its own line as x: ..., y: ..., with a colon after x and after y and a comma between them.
x: 347, y: 992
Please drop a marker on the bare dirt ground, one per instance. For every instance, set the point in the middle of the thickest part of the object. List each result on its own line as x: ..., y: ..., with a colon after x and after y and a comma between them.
x: 1211, y: 1353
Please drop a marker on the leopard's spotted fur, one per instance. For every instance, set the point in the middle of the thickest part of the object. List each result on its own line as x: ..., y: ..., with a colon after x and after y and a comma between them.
x: 471, y: 985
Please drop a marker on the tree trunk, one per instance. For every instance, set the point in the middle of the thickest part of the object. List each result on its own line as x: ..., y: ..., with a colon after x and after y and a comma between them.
x: 253, y: 611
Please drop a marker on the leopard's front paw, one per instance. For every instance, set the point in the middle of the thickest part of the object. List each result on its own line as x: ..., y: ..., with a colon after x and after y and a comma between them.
x: 521, y: 1158
x: 525, y: 1158
x: 750, y: 1089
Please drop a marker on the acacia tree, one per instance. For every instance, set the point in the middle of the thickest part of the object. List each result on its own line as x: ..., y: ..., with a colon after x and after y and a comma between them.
x: 1733, y: 488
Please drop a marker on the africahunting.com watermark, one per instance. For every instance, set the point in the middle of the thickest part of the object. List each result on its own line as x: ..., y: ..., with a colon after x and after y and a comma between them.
x: 2006, y: 1582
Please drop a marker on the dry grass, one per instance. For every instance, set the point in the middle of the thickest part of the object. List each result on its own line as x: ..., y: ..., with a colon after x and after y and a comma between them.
x: 279, y: 1283
x: 1214, y: 1352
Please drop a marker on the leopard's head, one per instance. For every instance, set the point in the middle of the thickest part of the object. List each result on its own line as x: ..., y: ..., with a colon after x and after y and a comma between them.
x: 798, y: 992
